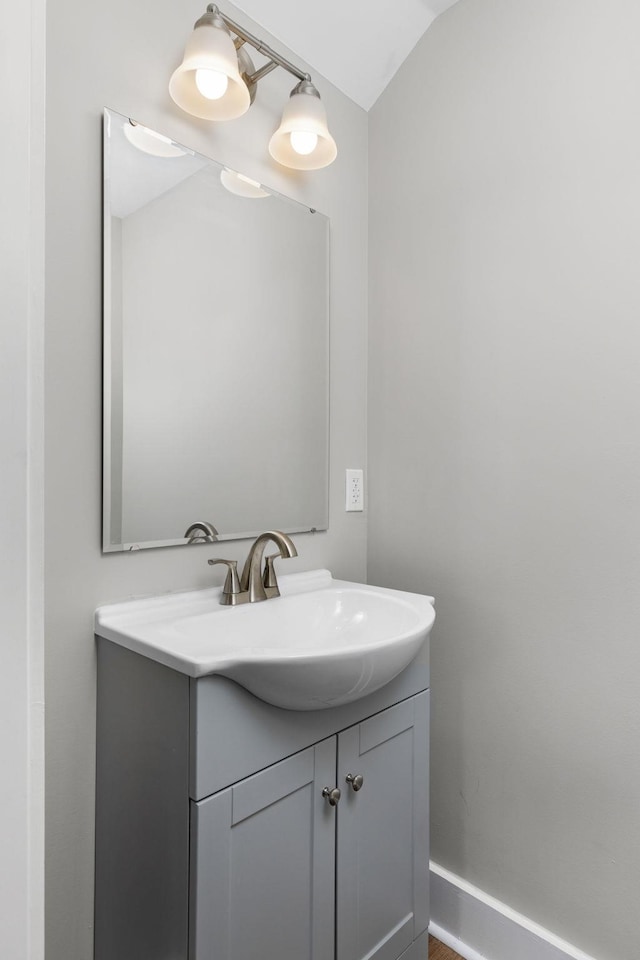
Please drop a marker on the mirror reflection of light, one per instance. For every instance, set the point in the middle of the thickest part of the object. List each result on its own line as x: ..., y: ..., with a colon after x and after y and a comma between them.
x: 242, y: 186
x: 363, y: 681
x: 148, y: 141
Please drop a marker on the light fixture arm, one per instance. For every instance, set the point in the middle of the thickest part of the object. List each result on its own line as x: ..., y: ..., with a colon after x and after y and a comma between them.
x: 262, y: 72
x: 276, y: 59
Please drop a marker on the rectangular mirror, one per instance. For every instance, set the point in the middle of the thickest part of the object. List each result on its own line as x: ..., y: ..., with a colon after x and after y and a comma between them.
x: 216, y: 327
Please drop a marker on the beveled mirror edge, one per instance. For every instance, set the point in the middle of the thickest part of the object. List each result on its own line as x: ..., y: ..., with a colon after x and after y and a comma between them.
x: 222, y: 538
x: 107, y: 436
x: 106, y: 343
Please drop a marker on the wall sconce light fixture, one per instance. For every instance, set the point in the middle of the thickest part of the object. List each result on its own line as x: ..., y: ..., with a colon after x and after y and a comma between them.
x: 217, y: 81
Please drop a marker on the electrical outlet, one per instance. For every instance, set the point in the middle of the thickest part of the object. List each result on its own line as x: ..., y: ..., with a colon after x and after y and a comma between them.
x: 355, y: 491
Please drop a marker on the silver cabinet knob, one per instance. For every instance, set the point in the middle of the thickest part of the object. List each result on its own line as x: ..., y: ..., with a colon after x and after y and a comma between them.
x: 332, y: 795
x: 356, y: 781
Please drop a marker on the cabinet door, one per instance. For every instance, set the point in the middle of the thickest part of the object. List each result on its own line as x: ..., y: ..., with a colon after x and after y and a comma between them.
x: 263, y: 864
x: 383, y: 833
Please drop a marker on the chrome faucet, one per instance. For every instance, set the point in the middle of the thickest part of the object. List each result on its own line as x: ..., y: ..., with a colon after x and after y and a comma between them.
x: 256, y: 584
x: 261, y: 587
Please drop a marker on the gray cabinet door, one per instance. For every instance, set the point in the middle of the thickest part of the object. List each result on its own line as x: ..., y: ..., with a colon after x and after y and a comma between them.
x: 383, y: 833
x: 263, y: 864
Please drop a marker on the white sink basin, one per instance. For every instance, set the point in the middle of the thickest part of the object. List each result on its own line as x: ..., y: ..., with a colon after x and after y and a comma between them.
x: 322, y: 643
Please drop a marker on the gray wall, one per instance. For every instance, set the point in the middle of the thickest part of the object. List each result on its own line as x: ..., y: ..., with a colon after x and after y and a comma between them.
x: 504, y: 451
x: 121, y: 56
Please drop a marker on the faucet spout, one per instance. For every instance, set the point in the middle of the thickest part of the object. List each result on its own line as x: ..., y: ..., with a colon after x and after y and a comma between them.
x: 201, y: 532
x: 251, y: 581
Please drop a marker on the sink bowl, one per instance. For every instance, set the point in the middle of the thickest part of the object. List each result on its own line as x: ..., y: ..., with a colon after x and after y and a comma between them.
x: 322, y: 643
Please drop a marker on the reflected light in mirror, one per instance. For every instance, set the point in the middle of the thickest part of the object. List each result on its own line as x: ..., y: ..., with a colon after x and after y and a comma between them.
x: 151, y: 142
x: 242, y: 186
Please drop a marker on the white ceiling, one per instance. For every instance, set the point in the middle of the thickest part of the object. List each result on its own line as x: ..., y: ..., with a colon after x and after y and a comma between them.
x: 356, y: 44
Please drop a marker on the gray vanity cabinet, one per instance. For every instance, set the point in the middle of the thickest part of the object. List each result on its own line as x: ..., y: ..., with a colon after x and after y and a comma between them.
x: 214, y: 840
x: 383, y: 836
x: 263, y: 864
x: 265, y: 850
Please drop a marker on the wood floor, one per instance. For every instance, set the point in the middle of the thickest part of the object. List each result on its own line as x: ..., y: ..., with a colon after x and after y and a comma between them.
x: 438, y: 951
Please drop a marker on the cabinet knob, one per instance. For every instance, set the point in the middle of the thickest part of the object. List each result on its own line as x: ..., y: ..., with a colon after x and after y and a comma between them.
x: 355, y: 780
x: 332, y: 795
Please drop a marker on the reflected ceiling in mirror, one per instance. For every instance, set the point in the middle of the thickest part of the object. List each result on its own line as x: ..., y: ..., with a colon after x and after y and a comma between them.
x: 216, y: 328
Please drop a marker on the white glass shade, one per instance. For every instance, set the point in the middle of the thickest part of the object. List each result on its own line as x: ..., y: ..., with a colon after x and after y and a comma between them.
x: 304, y: 113
x: 210, y: 47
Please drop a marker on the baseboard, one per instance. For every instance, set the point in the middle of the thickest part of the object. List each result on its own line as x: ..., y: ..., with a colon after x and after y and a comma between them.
x: 463, y: 949
x: 478, y: 927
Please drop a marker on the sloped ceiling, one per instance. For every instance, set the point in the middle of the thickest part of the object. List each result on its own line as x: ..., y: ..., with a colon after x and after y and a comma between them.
x: 357, y: 44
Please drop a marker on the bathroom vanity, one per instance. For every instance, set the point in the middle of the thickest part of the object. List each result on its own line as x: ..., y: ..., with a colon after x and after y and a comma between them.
x: 229, y: 828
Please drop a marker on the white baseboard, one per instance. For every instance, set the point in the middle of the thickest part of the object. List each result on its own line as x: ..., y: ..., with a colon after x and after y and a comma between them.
x: 478, y: 927
x: 461, y: 948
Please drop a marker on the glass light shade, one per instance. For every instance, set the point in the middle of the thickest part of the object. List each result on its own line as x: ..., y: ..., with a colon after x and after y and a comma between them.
x: 303, y: 113
x: 210, y: 47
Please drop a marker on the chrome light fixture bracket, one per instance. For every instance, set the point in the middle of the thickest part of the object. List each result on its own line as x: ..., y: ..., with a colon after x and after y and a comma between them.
x: 317, y: 150
x: 305, y: 86
x: 211, y: 18
x: 247, y: 72
x: 214, y: 17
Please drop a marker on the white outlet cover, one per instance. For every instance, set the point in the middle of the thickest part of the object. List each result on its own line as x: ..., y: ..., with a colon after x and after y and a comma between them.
x: 354, y: 491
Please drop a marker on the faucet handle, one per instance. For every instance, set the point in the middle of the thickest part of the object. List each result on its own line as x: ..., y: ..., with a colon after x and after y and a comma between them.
x: 269, y: 579
x: 231, y: 589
